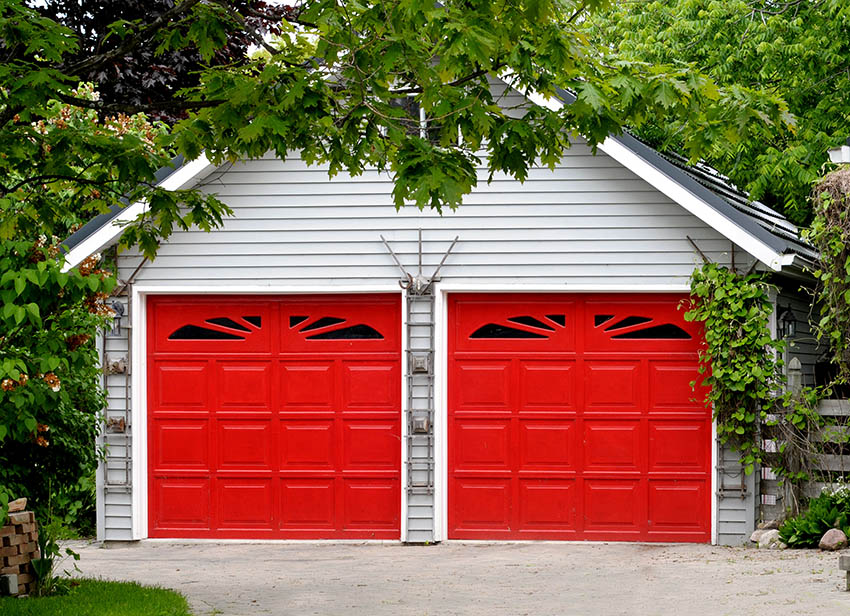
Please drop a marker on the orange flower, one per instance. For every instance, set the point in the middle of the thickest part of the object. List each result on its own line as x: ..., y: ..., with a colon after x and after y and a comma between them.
x: 52, y: 381
x: 7, y: 384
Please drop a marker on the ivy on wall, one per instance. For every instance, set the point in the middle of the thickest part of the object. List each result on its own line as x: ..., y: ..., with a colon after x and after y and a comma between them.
x: 740, y: 361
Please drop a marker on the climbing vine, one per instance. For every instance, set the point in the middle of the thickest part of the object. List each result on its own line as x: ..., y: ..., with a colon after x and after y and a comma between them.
x: 830, y: 235
x: 740, y: 362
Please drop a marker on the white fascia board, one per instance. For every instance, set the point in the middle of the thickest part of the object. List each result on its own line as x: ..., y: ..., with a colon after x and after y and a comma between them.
x: 185, y: 177
x: 666, y: 185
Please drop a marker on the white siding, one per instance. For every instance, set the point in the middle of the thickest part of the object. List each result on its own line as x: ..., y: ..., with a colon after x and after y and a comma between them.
x: 587, y: 222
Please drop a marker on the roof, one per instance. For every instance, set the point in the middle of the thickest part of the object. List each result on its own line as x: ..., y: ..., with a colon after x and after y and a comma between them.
x: 761, y: 231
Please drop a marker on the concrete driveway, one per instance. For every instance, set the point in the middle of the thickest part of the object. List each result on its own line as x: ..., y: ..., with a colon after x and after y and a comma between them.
x: 244, y: 579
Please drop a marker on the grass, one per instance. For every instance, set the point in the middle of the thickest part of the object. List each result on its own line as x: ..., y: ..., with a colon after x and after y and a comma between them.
x: 100, y: 598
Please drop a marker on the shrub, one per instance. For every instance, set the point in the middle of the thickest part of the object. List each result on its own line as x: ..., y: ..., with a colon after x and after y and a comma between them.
x: 829, y: 510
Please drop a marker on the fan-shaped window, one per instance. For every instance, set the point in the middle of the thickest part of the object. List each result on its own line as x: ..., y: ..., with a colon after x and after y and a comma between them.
x: 230, y: 323
x: 296, y: 320
x: 601, y: 319
x: 627, y: 322
x: 323, y: 322
x: 667, y: 331
x: 353, y: 332
x: 531, y: 322
x: 559, y: 319
x: 495, y: 330
x: 194, y: 332
x: 255, y: 321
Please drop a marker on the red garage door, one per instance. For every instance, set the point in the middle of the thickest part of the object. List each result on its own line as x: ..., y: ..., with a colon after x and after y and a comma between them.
x: 572, y: 417
x: 274, y: 417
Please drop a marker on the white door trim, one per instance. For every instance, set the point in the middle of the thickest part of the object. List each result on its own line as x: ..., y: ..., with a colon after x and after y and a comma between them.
x: 139, y: 425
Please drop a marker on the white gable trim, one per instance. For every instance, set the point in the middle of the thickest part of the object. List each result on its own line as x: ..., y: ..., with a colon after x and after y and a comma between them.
x: 672, y: 189
x: 185, y: 177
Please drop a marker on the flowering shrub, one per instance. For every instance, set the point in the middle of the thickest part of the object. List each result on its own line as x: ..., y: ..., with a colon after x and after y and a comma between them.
x: 50, y: 394
x: 829, y: 510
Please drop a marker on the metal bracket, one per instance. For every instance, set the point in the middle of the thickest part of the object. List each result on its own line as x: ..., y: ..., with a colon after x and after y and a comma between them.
x: 418, y: 284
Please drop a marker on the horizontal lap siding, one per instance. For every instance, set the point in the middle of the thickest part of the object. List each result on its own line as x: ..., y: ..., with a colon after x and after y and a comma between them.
x: 590, y: 221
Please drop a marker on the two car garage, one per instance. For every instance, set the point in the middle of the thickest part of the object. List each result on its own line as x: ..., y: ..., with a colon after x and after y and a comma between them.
x: 567, y: 417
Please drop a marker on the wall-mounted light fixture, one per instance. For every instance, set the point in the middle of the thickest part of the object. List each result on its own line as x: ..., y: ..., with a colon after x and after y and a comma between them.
x: 786, y: 323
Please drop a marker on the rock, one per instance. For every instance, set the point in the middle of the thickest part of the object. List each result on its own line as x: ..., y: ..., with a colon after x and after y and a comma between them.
x: 770, y: 540
x: 757, y: 535
x: 833, y: 539
x: 769, y: 525
x: 17, y: 505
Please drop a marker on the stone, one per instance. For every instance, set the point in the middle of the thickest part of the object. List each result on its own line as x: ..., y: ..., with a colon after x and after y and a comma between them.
x: 17, y: 505
x: 833, y: 539
x: 769, y: 525
x: 757, y: 535
x: 21, y: 517
x: 770, y: 540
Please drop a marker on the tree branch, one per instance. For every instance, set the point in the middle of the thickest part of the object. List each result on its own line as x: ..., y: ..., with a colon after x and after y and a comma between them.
x: 129, y: 108
x: 131, y: 42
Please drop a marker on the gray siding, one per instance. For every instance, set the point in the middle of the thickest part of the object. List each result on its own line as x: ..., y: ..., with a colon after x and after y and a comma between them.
x: 588, y: 222
x: 803, y: 345
x: 736, y: 499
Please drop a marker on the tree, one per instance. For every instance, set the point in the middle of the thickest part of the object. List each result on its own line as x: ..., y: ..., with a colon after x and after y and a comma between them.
x: 796, y: 50
x: 142, y: 77
x: 335, y: 86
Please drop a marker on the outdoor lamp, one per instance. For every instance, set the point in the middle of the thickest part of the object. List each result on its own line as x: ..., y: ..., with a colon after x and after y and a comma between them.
x: 786, y: 324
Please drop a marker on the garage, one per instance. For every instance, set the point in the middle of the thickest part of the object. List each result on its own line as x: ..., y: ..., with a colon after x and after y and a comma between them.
x: 274, y: 417
x: 572, y: 417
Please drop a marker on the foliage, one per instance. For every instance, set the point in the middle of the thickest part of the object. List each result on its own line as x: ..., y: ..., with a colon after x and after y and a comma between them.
x: 144, y: 78
x: 740, y: 361
x: 830, y: 234
x: 829, y: 510
x: 795, y: 50
x: 331, y: 88
x: 101, y: 598
x: 48, y: 580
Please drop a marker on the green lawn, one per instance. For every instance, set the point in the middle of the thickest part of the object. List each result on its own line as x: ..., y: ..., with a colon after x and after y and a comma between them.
x: 99, y: 598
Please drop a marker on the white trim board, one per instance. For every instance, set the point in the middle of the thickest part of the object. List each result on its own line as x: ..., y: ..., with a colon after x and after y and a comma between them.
x: 185, y: 177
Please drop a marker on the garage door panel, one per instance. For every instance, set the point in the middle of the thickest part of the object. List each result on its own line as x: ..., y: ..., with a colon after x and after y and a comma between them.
x: 612, y: 446
x: 481, y: 504
x: 245, y: 503
x: 244, y: 386
x: 277, y: 417
x: 547, y: 505
x: 307, y: 504
x: 180, y: 444
x: 483, y: 385
x: 481, y: 444
x: 678, y: 446
x: 612, y: 386
x: 677, y: 506
x: 613, y: 505
x: 371, y: 386
x: 547, y: 386
x: 370, y: 445
x: 181, y: 386
x: 307, y: 444
x: 307, y: 385
x: 244, y: 444
x: 638, y: 326
x: 670, y: 387
x: 547, y: 445
x: 180, y: 503
x: 371, y: 504
x: 199, y: 325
